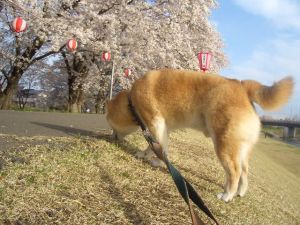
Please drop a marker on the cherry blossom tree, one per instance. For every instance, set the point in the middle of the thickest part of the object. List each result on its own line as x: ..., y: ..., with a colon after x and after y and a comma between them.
x: 54, y: 83
x: 140, y: 34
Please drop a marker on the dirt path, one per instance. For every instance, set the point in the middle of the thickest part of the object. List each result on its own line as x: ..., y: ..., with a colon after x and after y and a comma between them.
x: 50, y: 124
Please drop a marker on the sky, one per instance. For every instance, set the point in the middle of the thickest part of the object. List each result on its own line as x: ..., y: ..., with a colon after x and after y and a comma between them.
x: 262, y: 42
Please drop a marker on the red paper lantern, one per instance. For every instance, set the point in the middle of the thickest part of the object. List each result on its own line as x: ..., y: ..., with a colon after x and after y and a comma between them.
x: 127, y: 72
x: 204, y: 60
x: 72, y: 45
x: 106, y: 56
x: 19, y: 25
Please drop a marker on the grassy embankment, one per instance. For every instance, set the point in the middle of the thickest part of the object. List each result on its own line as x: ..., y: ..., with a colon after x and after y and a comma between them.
x: 81, y: 180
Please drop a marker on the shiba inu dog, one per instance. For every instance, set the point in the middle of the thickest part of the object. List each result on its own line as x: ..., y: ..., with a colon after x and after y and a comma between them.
x: 222, y: 108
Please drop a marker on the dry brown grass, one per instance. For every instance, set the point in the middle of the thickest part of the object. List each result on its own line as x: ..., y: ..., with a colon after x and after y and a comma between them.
x: 79, y: 180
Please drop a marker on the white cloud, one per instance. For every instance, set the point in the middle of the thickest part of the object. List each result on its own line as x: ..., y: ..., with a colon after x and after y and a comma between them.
x: 271, y: 62
x: 283, y: 13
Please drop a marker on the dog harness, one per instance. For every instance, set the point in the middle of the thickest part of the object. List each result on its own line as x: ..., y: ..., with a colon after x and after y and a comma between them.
x: 184, y: 187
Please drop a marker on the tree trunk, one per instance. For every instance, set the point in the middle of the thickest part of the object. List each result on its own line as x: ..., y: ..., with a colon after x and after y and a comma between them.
x: 99, y: 102
x: 73, y: 108
x: 72, y: 105
x: 6, y: 99
x: 76, y: 93
x: 21, y: 64
x: 97, y: 108
x: 75, y: 101
x: 80, y: 97
x: 7, y: 95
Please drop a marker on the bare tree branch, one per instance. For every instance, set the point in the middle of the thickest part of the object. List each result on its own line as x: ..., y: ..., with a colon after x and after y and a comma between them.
x: 102, y: 11
x: 18, y: 46
x: 46, y: 55
x: 69, y: 69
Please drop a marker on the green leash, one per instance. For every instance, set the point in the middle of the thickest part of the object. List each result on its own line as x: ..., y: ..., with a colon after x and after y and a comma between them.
x: 184, y: 187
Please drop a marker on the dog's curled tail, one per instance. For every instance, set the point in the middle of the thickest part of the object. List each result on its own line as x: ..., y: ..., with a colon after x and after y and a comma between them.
x: 269, y: 97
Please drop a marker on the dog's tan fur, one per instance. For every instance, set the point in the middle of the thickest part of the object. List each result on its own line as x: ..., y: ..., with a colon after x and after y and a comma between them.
x: 220, y: 107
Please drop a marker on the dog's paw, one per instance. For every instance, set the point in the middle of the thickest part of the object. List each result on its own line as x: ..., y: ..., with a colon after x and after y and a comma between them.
x: 157, y: 163
x: 241, y: 194
x: 225, y: 197
x: 220, y: 195
x: 140, y: 154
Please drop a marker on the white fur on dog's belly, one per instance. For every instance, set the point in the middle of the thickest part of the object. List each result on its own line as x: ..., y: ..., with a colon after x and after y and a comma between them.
x: 190, y: 120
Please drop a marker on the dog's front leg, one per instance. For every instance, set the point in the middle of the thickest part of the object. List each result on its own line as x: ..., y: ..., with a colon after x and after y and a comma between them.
x: 150, y: 156
x: 146, y: 154
x: 158, y: 128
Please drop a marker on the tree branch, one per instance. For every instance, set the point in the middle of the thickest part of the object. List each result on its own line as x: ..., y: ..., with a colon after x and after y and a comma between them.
x: 18, y: 46
x: 74, y: 5
x: 69, y: 69
x: 4, y: 73
x: 102, y: 11
x: 2, y: 82
x: 157, y: 4
x: 1, y: 6
x: 130, y: 2
x: 46, y: 55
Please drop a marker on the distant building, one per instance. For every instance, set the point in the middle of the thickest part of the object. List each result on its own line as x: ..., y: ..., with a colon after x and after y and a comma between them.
x: 266, y: 117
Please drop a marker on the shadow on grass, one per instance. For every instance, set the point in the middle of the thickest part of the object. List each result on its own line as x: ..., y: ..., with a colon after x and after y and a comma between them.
x: 67, y: 130
x: 128, y: 148
x: 124, y: 145
x: 130, y: 211
x: 201, y: 176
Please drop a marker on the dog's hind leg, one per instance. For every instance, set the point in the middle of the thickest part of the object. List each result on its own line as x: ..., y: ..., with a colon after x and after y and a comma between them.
x: 234, y: 156
x: 249, y: 134
x: 244, y: 156
x: 243, y: 182
x: 227, y: 150
x: 232, y: 167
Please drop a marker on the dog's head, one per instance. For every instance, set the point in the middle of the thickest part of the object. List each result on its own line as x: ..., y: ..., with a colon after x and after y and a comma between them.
x: 119, y: 116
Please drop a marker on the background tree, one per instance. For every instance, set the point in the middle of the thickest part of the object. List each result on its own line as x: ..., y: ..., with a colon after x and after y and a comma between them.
x: 29, y: 81
x: 54, y: 83
x: 140, y: 35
